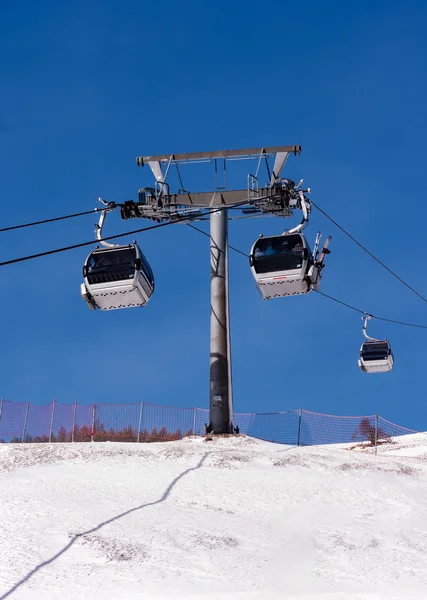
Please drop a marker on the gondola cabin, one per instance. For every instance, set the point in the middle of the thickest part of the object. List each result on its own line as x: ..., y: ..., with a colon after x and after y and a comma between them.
x: 376, y: 356
x: 117, y: 277
x: 283, y: 265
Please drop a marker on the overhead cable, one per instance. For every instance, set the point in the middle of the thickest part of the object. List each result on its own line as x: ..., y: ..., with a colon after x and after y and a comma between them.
x: 80, y: 214
x: 363, y: 312
x: 185, y: 221
x: 359, y: 310
x: 368, y: 252
x: 112, y: 237
x: 208, y: 235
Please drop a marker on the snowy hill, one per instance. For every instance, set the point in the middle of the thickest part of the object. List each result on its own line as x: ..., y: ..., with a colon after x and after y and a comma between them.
x: 230, y: 519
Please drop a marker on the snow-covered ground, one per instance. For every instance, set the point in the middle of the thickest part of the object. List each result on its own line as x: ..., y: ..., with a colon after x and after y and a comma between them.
x: 233, y: 518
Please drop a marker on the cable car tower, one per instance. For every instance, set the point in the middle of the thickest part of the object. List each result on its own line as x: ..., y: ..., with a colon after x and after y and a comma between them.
x: 272, y: 196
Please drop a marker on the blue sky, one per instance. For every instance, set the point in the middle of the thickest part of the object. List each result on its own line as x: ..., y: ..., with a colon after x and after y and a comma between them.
x: 87, y: 87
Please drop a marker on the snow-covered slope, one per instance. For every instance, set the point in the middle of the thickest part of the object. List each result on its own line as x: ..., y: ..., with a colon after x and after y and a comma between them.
x: 232, y: 518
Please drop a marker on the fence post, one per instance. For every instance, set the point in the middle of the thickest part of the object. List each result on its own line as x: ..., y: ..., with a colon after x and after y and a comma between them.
x: 376, y: 433
x: 25, y: 422
x: 140, y: 421
x: 1, y: 407
x: 194, y: 420
x: 93, y: 421
x: 299, y: 426
x: 51, y: 420
x: 74, y: 420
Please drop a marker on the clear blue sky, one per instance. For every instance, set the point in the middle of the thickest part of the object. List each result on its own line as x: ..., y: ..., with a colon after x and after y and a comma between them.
x: 86, y: 87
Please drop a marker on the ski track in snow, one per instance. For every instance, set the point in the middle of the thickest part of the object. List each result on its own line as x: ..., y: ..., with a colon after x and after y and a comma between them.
x: 233, y: 518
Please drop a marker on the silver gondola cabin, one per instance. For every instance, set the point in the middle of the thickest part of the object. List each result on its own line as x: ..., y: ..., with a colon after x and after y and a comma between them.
x: 283, y: 265
x: 376, y: 356
x: 116, y: 276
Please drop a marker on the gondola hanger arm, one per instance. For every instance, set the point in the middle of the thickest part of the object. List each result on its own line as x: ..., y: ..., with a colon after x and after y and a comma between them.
x: 304, y: 222
x: 98, y: 226
x: 367, y: 318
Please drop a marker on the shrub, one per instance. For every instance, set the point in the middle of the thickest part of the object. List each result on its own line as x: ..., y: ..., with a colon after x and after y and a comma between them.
x: 368, y: 432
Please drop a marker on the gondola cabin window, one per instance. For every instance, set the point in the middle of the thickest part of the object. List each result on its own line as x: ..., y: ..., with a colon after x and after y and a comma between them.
x: 375, y: 351
x: 282, y: 253
x: 111, y: 265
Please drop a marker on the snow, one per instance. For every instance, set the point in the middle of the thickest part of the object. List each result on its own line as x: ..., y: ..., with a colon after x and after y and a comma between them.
x: 232, y: 518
